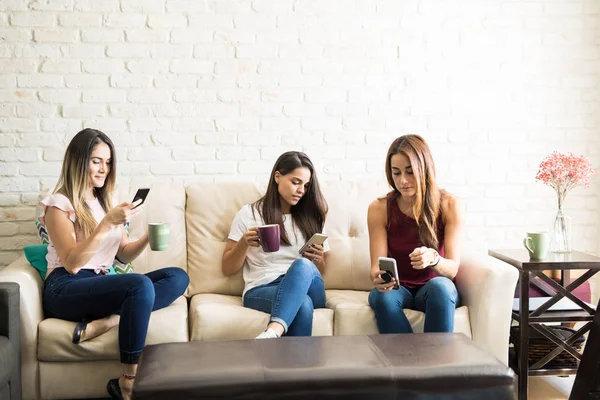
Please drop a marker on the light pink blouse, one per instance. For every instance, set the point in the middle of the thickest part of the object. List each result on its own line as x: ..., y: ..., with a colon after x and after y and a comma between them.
x: 104, y: 257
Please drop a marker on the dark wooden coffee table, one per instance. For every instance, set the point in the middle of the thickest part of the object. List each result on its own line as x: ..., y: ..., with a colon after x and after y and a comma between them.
x: 349, y: 367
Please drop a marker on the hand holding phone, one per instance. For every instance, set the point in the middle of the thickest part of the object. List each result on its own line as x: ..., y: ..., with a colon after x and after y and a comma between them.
x: 317, y: 238
x: 389, y: 270
x: 141, y: 194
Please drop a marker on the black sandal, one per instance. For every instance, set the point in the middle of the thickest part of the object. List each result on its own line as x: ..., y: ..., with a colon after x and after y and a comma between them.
x: 114, y: 390
x: 78, y: 331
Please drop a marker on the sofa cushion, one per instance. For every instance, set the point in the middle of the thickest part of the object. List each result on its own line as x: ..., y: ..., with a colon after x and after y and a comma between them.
x: 211, y: 208
x: 165, y: 203
x: 7, y: 360
x: 223, y: 317
x: 54, y: 341
x: 209, y: 212
x: 348, y: 261
x: 354, y: 316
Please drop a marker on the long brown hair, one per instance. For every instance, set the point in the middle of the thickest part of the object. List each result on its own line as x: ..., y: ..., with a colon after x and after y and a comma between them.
x: 427, y: 206
x: 309, y: 214
x: 75, y: 176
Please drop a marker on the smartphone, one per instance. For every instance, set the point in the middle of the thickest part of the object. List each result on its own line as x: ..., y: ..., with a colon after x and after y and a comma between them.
x: 388, y: 265
x: 141, y: 194
x: 317, y: 238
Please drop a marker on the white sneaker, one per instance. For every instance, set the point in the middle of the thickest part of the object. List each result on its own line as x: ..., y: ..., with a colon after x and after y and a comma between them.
x: 268, y: 334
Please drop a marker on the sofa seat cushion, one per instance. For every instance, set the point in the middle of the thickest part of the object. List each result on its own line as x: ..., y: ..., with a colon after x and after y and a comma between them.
x: 354, y: 316
x: 223, y: 317
x: 54, y: 341
x: 7, y: 360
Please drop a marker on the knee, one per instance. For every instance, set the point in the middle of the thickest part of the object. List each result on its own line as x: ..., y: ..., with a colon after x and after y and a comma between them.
x: 141, y: 285
x: 382, y: 301
x: 442, y: 288
x: 180, y: 278
x: 305, y: 267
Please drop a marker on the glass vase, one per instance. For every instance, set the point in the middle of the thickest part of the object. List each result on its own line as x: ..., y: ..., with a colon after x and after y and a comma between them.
x: 561, y: 232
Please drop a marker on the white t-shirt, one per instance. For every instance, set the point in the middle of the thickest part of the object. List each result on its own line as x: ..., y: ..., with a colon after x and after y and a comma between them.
x: 261, y: 268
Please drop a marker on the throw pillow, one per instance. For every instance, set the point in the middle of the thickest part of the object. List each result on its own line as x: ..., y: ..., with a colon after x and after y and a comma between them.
x: 42, y: 232
x: 36, y: 255
x: 118, y: 267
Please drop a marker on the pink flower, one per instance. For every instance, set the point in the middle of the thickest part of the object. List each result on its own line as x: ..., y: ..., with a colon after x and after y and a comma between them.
x: 563, y: 172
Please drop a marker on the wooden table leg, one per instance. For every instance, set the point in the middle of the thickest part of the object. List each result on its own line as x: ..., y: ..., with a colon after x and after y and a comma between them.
x: 523, y: 363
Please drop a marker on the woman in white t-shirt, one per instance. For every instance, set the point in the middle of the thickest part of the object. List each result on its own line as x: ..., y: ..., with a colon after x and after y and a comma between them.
x: 86, y: 235
x: 286, y: 284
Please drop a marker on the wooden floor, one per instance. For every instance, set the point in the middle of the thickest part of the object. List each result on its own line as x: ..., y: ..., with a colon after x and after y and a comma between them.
x: 550, y: 387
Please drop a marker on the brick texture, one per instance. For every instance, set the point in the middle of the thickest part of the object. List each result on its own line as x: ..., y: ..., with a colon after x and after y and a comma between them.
x: 215, y: 90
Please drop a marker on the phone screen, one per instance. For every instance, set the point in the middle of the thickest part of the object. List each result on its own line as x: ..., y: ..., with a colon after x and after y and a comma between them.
x: 141, y: 194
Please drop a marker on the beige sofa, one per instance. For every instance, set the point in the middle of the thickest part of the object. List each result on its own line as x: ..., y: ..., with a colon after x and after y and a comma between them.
x: 200, y: 217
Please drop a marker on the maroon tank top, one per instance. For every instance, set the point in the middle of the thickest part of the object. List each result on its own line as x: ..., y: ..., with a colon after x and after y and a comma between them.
x: 402, y: 239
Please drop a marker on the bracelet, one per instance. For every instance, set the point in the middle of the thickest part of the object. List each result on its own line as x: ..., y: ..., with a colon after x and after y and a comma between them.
x: 437, y: 261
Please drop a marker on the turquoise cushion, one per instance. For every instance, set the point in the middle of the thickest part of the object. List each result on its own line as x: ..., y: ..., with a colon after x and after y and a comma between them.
x: 36, y: 255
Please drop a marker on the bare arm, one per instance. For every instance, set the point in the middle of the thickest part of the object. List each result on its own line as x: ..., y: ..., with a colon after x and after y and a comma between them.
x: 377, y: 221
x: 62, y: 234
x: 234, y: 254
x: 129, y: 251
x: 453, y: 235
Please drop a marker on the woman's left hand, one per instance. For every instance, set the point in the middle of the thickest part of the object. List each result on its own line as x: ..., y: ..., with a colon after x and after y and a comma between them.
x: 422, y: 257
x: 314, y: 253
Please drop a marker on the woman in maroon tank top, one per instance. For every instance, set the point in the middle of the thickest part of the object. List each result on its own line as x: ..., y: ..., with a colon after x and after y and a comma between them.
x: 420, y: 226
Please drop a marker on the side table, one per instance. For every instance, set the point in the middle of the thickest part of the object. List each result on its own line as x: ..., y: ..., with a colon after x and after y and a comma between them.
x: 529, y: 270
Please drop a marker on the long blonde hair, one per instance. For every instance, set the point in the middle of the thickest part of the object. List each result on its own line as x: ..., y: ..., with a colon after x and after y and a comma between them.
x: 75, y: 176
x: 427, y: 206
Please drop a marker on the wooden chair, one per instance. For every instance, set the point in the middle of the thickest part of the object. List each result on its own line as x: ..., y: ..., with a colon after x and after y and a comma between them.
x: 587, y: 380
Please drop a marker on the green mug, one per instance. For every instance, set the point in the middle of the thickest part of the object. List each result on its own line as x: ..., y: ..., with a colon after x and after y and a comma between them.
x: 537, y: 244
x: 158, y: 236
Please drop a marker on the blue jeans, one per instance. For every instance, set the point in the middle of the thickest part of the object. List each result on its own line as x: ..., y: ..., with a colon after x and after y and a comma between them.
x: 87, y: 296
x: 291, y: 298
x: 438, y: 299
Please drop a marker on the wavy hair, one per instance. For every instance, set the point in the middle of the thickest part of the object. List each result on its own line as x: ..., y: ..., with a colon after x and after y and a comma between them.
x: 427, y: 205
x: 74, y: 178
x: 308, y: 214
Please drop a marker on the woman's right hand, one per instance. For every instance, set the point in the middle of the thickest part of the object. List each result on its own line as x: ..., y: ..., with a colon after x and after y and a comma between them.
x: 121, y: 213
x: 380, y: 284
x: 250, y: 237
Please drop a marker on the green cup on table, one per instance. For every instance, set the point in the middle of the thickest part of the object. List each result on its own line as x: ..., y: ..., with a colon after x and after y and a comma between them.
x: 537, y: 244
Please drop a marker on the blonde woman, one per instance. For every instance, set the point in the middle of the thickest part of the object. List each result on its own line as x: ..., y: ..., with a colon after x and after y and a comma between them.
x: 86, y: 235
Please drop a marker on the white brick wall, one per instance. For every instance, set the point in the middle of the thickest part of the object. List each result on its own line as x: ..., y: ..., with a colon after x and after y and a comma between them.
x: 216, y: 89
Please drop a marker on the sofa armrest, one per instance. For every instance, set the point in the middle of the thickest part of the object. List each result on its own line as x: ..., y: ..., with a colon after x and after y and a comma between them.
x: 31, y: 314
x: 9, y: 327
x: 487, y: 287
